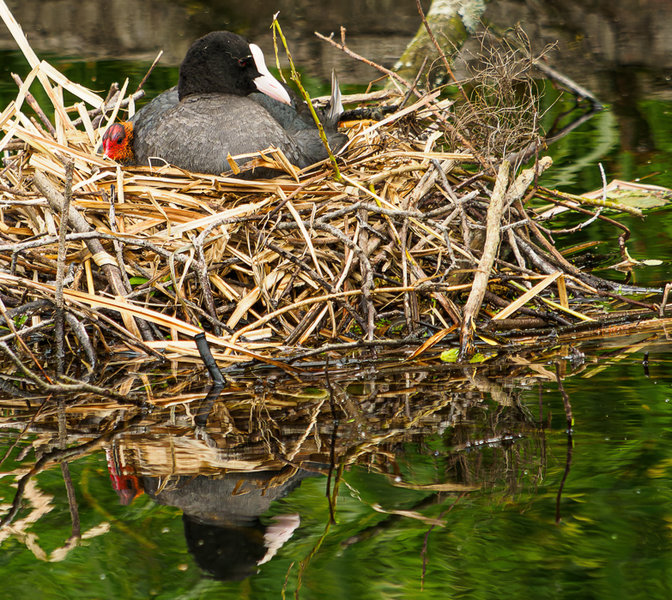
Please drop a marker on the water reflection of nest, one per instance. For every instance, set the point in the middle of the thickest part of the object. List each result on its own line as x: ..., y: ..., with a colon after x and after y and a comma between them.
x: 287, y: 425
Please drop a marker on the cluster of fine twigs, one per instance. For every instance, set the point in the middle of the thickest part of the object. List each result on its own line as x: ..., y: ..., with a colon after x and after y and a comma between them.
x: 407, y: 242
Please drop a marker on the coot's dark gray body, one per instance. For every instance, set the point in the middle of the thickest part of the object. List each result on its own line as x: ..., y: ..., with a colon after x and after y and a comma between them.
x: 215, y: 112
x: 298, y: 122
x: 198, y: 133
x: 147, y: 119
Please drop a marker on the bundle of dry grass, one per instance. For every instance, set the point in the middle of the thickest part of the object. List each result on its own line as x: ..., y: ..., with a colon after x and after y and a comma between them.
x: 403, y: 241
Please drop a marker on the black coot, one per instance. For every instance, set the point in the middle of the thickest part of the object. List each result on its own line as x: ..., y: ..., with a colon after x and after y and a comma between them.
x: 217, y: 111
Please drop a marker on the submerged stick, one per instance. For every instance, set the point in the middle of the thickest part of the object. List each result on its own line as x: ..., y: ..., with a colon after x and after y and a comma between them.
x: 208, y: 360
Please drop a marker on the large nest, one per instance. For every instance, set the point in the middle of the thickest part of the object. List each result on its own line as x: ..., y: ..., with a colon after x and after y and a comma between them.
x: 405, y: 240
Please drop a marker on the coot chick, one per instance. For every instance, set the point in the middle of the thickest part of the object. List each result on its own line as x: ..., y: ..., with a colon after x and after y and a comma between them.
x: 215, y: 112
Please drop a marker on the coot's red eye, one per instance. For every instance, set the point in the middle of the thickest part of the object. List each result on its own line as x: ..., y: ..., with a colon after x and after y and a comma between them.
x: 245, y: 61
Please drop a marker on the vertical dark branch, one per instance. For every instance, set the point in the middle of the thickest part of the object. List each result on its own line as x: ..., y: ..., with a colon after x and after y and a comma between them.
x: 568, y: 464
x: 408, y: 314
x: 565, y: 399
x: 570, y: 443
x: 332, y: 448
x: 204, y: 280
x: 208, y: 360
x: 59, y: 317
x: 65, y: 469
x: 367, y: 273
x: 426, y: 540
x: 72, y: 502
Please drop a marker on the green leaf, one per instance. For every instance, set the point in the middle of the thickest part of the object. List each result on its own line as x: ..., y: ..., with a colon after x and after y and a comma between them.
x: 450, y: 355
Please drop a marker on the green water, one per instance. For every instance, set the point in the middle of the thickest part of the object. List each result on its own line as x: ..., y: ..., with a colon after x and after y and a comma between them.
x: 613, y: 538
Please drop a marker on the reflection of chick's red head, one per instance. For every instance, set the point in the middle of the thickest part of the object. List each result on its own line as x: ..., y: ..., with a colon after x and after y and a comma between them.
x: 118, y: 142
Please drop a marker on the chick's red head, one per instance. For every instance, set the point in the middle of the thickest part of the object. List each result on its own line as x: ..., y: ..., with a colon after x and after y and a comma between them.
x: 118, y: 142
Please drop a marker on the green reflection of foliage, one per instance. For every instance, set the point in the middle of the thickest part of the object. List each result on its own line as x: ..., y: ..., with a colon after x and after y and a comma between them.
x: 577, y: 155
x: 113, y: 564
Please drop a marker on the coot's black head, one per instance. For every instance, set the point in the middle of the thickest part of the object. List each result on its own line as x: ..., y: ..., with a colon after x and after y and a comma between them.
x: 222, y: 62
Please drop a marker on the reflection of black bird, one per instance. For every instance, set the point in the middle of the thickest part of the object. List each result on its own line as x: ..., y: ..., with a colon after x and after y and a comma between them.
x: 218, y: 111
x: 221, y: 518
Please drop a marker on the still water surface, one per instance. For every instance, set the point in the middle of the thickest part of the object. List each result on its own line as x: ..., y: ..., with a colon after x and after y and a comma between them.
x: 549, y: 516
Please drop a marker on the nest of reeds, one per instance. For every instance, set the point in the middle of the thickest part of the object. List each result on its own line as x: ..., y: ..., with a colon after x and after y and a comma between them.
x: 409, y: 240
